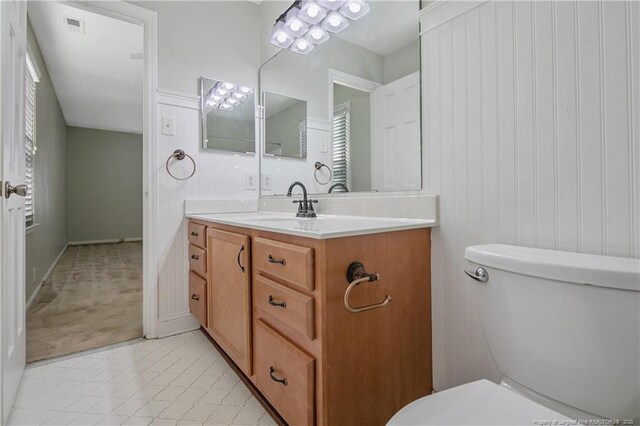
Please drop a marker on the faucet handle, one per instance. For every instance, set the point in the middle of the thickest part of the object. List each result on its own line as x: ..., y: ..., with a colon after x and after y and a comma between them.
x: 301, y: 208
x: 310, y: 211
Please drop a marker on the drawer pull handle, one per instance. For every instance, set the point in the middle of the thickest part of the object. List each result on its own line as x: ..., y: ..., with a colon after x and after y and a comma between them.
x: 282, y: 304
x: 274, y: 378
x: 280, y: 261
x: 238, y: 258
x: 195, y: 257
x: 194, y: 233
x: 195, y: 297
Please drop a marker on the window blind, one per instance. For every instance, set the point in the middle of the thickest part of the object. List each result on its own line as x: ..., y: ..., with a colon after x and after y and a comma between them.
x: 341, y: 145
x: 30, y: 137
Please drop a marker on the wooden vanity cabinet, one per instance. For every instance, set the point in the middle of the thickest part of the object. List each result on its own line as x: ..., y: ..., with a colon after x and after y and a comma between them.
x: 284, y: 322
x: 229, y: 294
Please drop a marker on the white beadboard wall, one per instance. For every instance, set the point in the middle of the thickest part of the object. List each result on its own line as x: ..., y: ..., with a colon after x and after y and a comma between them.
x: 532, y: 136
x: 219, y: 176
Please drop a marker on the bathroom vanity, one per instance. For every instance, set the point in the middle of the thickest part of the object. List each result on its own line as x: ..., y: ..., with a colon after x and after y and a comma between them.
x: 270, y: 290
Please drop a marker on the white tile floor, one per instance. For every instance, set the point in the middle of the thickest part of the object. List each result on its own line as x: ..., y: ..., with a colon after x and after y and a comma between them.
x: 179, y: 380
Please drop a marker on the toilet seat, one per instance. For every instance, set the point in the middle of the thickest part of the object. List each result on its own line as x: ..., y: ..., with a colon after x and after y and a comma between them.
x: 477, y: 403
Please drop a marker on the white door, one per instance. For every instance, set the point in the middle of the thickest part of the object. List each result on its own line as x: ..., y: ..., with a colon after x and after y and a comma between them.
x: 13, y: 34
x: 396, y: 151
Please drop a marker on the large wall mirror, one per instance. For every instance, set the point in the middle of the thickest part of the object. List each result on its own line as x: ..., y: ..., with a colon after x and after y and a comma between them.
x: 228, y: 116
x: 358, y: 95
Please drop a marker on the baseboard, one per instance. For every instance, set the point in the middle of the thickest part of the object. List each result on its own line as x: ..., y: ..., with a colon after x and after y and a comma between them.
x: 36, y: 291
x: 110, y: 241
x: 176, y: 324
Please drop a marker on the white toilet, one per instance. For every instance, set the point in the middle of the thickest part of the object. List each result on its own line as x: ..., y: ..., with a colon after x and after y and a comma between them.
x: 564, y: 331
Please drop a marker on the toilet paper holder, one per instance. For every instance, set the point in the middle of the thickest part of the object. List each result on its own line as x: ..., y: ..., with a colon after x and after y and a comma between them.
x: 356, y: 275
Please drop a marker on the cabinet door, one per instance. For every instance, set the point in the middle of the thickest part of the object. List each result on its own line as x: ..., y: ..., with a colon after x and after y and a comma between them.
x: 229, y: 290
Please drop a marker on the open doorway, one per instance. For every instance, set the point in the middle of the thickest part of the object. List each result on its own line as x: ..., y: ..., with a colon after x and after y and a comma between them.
x: 85, y: 180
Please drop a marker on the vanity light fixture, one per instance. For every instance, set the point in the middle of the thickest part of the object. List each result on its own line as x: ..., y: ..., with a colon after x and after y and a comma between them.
x: 308, y: 22
x: 335, y: 22
x: 311, y: 12
x: 293, y: 25
x: 225, y: 95
x: 354, y: 9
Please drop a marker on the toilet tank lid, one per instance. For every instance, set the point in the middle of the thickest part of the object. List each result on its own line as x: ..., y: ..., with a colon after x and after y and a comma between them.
x: 579, y: 268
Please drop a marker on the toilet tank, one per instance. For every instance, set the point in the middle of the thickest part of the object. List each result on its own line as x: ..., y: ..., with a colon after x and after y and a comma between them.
x: 564, y: 325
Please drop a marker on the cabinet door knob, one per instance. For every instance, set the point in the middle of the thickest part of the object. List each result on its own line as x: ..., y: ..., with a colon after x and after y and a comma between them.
x: 195, y: 234
x: 282, y: 304
x: 274, y: 378
x: 238, y: 258
x: 195, y: 297
x: 280, y: 261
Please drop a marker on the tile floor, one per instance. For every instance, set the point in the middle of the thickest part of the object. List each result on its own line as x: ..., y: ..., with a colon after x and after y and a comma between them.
x: 178, y: 380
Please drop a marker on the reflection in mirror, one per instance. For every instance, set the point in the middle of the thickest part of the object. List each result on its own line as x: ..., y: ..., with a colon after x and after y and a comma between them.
x: 362, y: 92
x: 285, y: 126
x: 228, y: 116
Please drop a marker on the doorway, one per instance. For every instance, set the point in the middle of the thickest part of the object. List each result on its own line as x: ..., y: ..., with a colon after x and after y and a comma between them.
x: 84, y: 177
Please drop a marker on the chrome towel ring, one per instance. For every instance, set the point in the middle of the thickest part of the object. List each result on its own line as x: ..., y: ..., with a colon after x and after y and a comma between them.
x: 318, y: 166
x: 179, y: 155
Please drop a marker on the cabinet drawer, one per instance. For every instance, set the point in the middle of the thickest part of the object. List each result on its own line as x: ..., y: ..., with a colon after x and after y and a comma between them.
x: 198, y: 298
x: 288, y: 262
x: 198, y: 260
x: 285, y: 375
x: 289, y: 306
x: 197, y: 234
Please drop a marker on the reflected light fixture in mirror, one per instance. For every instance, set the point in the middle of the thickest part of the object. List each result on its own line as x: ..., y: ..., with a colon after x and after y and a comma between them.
x: 308, y: 22
x: 225, y: 96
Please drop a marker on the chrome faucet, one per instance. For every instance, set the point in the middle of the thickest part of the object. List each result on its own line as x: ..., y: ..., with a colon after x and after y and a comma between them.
x: 305, y: 206
x: 338, y: 185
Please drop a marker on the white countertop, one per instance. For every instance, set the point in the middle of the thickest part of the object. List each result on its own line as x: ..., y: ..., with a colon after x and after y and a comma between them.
x: 320, y: 228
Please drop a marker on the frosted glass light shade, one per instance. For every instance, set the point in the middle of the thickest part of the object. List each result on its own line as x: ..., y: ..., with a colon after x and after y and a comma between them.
x: 279, y: 37
x: 335, y: 22
x: 293, y: 25
x: 354, y: 9
x: 331, y: 4
x: 317, y: 34
x: 302, y: 46
x: 245, y: 90
x: 311, y: 12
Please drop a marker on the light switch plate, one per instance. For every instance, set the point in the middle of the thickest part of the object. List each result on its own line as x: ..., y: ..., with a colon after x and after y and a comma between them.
x: 250, y: 182
x: 168, y: 126
x: 324, y: 147
x: 266, y: 182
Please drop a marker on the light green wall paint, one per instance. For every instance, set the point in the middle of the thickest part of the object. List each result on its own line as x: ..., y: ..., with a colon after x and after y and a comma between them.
x: 45, y: 242
x: 105, y: 185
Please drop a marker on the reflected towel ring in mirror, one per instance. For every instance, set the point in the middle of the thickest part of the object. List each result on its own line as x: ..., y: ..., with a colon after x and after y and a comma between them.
x: 318, y: 166
x: 179, y: 155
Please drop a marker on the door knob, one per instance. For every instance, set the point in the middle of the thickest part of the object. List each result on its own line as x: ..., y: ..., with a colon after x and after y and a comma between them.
x: 20, y: 190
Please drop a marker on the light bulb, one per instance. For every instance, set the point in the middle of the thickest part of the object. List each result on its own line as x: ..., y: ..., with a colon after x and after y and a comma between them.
x: 317, y: 34
x: 334, y: 21
x: 302, y: 44
x: 222, y: 92
x: 281, y: 37
x: 217, y: 98
x: 313, y: 11
x: 229, y: 86
x: 233, y: 101
x: 245, y: 90
x: 226, y: 106
x: 295, y: 26
x: 238, y: 95
x: 354, y: 7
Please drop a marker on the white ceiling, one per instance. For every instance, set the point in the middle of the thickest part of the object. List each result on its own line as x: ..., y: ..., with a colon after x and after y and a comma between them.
x: 97, y: 82
x: 389, y: 25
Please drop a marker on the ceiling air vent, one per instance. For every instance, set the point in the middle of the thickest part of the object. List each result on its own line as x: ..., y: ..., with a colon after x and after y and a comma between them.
x: 74, y: 24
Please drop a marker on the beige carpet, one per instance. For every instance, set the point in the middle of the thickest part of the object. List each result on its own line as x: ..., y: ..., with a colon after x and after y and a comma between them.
x: 92, y: 299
